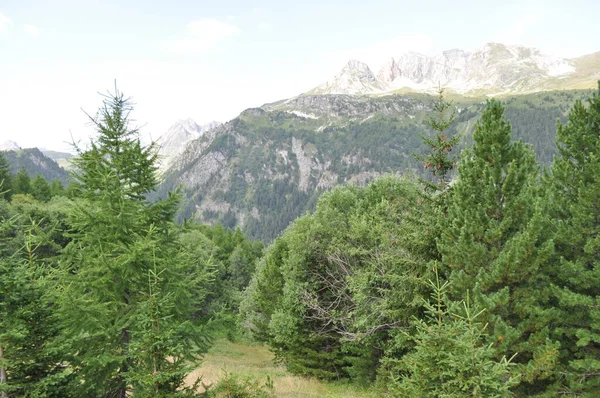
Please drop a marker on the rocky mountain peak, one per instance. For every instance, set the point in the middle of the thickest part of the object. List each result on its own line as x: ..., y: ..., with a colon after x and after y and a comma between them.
x: 493, y: 69
x: 179, y: 135
x: 9, y: 145
x: 355, y: 78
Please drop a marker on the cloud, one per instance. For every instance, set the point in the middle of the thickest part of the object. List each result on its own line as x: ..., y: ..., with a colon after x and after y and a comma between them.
x: 201, y: 36
x: 31, y: 30
x: 5, y: 23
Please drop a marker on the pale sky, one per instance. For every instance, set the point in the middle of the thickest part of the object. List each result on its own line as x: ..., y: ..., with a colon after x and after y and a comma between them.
x: 210, y: 60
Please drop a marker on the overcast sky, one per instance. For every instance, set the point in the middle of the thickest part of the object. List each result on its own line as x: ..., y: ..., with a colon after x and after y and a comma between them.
x: 209, y: 60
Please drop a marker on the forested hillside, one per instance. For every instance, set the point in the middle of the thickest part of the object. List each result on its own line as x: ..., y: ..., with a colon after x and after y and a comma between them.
x: 266, y: 167
x: 35, y: 163
x: 476, y: 276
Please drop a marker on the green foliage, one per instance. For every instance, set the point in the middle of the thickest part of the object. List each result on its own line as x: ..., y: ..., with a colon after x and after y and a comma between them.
x: 40, y: 189
x: 32, y: 362
x: 451, y: 357
x: 22, y: 182
x: 438, y: 160
x: 233, y: 386
x: 340, y: 279
x: 127, y: 288
x: 494, y: 243
x: 573, y: 202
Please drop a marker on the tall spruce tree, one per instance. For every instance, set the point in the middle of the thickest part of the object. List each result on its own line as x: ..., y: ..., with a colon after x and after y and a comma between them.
x: 493, y: 244
x: 575, y: 206
x: 127, y: 289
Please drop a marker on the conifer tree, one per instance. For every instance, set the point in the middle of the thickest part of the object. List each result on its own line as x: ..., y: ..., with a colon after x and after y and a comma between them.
x: 6, y: 180
x: 40, y: 189
x: 128, y: 290
x: 439, y: 161
x: 493, y: 244
x: 30, y: 365
x: 22, y: 182
x: 574, y: 202
x: 451, y: 357
x: 57, y: 189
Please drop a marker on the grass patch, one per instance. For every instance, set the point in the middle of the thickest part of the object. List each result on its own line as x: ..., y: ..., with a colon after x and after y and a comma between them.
x: 256, y: 362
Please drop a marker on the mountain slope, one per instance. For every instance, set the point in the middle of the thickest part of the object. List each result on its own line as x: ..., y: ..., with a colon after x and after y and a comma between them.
x: 267, y: 166
x: 35, y: 162
x: 494, y: 69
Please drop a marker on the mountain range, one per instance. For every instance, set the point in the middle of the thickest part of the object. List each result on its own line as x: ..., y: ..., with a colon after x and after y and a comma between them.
x: 494, y: 69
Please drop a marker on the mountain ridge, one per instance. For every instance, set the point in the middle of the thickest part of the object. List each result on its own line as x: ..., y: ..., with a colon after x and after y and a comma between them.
x: 492, y: 70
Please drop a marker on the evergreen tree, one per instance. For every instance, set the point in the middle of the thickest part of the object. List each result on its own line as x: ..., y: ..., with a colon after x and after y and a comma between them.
x: 40, y: 189
x: 493, y: 244
x: 438, y: 161
x: 128, y: 290
x: 574, y: 203
x: 6, y: 180
x: 451, y: 357
x: 30, y: 364
x: 57, y: 189
x: 22, y: 182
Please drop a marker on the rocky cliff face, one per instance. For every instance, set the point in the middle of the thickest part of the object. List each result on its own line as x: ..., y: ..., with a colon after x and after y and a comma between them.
x: 355, y: 78
x: 494, y: 69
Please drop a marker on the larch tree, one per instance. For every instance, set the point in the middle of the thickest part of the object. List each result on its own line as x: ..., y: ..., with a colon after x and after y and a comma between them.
x: 127, y: 289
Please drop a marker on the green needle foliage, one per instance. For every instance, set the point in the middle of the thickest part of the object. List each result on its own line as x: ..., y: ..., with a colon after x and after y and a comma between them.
x: 30, y: 364
x: 128, y: 288
x: 493, y: 243
x: 439, y: 161
x: 451, y: 357
x: 575, y: 206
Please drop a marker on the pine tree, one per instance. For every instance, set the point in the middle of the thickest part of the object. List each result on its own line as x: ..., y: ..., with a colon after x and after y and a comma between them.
x: 493, y: 244
x: 128, y: 291
x: 574, y: 202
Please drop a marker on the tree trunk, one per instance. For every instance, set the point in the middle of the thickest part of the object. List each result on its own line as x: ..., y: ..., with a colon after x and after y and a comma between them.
x: 2, y: 375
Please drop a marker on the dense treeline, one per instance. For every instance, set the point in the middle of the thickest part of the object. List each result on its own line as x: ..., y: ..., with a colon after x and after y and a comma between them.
x: 486, y: 286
